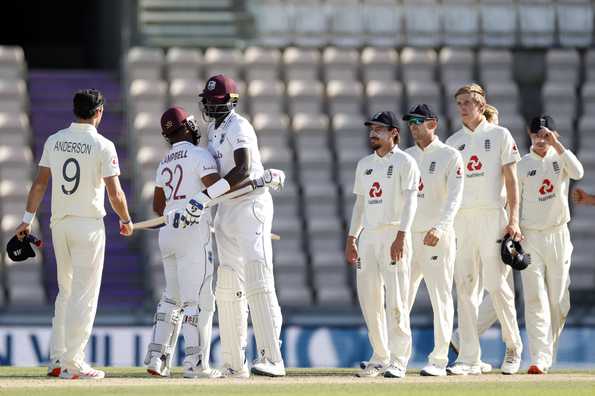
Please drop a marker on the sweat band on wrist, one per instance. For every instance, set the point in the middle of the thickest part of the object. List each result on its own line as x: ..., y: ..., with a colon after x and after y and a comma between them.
x: 28, y: 217
x: 219, y: 188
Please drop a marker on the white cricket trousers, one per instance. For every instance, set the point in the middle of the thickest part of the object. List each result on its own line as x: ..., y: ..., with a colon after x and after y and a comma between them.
x: 546, y: 283
x: 435, y: 264
x: 79, y: 245
x: 479, y: 265
x: 383, y: 290
x: 243, y: 232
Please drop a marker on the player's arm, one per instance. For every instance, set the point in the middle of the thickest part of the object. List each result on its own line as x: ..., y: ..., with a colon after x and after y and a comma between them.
x: 159, y: 201
x: 117, y: 200
x: 34, y: 198
x: 357, y: 221
x: 409, y: 181
x: 580, y: 196
x: 512, y: 198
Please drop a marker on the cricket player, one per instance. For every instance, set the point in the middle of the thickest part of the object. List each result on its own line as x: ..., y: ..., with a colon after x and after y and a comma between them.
x: 82, y: 163
x: 487, y: 314
x: 439, y: 196
x: 187, y: 255
x: 490, y: 155
x: 386, y: 199
x: 544, y: 177
x: 243, y: 232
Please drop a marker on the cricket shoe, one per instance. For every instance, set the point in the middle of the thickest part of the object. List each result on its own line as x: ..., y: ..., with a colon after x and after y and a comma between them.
x: 228, y: 372
x: 370, y: 370
x: 536, y: 369
x: 455, y: 345
x: 463, y: 369
x: 512, y: 361
x: 267, y: 368
x: 54, y: 369
x: 431, y: 370
x: 394, y: 371
x: 85, y: 373
x: 156, y: 367
x: 193, y: 368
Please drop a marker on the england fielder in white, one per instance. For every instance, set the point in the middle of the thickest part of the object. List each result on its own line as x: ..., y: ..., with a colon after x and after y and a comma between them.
x: 490, y: 155
x: 243, y: 232
x: 544, y: 177
x: 187, y: 255
x: 81, y: 163
x: 386, y: 199
x: 486, y: 316
x: 439, y: 197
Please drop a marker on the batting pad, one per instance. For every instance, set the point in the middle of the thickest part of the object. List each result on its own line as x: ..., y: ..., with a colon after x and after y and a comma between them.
x: 233, y: 318
x: 264, y: 310
x: 165, y: 329
x: 190, y: 325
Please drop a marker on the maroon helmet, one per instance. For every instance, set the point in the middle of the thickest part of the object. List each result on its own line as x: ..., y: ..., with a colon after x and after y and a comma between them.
x: 176, y: 118
x: 219, y: 97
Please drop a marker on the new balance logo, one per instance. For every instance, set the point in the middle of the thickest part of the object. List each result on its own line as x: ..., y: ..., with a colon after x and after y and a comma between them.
x: 368, y: 172
x: 434, y: 258
x: 532, y: 172
x: 461, y: 147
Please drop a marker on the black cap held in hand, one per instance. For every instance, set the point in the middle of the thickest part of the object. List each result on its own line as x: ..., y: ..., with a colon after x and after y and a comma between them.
x: 512, y: 254
x: 22, y: 250
x: 383, y: 118
x: 542, y: 121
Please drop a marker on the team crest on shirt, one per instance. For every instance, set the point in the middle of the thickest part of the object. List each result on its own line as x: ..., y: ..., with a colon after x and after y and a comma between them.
x: 487, y: 145
x: 556, y: 167
x: 432, y: 169
x: 389, y: 172
x: 222, y: 138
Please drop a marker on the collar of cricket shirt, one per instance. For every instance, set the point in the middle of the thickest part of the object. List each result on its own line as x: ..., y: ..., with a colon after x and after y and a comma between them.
x: 387, y: 155
x: 480, y: 128
x: 434, y: 144
x: 550, y: 152
x: 83, y: 127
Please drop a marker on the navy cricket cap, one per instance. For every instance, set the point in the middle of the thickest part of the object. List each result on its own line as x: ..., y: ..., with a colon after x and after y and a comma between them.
x: 542, y: 121
x: 22, y: 250
x: 383, y: 118
x: 422, y: 111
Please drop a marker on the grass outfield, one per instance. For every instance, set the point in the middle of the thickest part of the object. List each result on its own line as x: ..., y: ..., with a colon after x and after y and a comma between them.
x: 302, y: 382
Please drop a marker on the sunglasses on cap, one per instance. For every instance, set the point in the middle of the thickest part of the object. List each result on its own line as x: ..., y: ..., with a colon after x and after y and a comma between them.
x: 416, y: 121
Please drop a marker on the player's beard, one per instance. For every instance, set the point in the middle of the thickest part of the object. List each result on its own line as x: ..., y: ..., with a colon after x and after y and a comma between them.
x: 374, y: 143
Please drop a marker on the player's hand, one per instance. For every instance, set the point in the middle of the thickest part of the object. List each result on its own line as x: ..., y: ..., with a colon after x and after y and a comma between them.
x: 351, y: 253
x: 398, y: 247
x: 432, y: 237
x: 514, y: 231
x: 579, y: 196
x: 194, y: 209
x: 126, y: 229
x: 274, y: 179
x: 23, y: 230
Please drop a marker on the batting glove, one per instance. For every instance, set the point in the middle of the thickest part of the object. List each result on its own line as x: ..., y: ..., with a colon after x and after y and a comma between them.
x: 194, y: 208
x: 274, y: 179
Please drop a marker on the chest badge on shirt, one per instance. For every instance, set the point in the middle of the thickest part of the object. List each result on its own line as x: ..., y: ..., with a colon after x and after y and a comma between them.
x: 474, y: 166
x: 487, y: 145
x: 546, y: 190
x: 532, y: 172
x: 222, y: 138
x: 389, y: 172
x: 461, y: 147
x: 556, y: 167
x: 368, y: 172
x: 432, y: 168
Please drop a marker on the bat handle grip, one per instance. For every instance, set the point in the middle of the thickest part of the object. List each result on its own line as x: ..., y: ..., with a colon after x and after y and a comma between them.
x: 37, y: 242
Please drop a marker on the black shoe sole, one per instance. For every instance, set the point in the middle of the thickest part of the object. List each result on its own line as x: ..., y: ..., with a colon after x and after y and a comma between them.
x: 263, y: 373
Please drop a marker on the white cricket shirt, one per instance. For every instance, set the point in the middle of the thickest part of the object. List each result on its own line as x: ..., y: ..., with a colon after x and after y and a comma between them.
x: 484, y: 150
x: 381, y: 181
x: 180, y: 171
x: 79, y: 158
x: 235, y: 132
x: 543, y: 185
x: 440, y: 188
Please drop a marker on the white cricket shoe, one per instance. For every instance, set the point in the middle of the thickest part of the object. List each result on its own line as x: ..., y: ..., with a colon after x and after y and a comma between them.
x: 193, y: 368
x: 463, y: 369
x: 394, y: 371
x: 370, y: 370
x: 86, y: 372
x: 228, y: 372
x: 512, y: 361
x: 431, y: 370
x: 54, y: 369
x: 156, y: 367
x: 455, y: 345
x: 267, y: 368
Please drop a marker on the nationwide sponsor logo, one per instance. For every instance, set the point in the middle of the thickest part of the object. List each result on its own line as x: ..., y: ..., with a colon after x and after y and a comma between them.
x: 432, y: 167
x: 487, y: 145
x: 420, y: 187
x: 375, y: 191
x: 547, y: 187
x: 532, y: 172
x: 368, y: 172
x: 474, y: 164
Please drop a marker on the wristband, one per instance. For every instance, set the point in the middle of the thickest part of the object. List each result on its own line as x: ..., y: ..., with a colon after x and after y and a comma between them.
x: 125, y: 222
x: 28, y: 217
x: 219, y: 188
